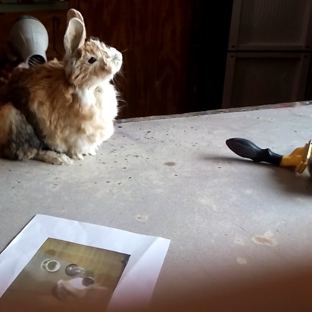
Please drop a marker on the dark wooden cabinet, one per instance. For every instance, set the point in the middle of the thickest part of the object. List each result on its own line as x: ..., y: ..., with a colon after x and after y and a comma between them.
x: 271, y: 25
x: 259, y: 78
x: 269, y: 51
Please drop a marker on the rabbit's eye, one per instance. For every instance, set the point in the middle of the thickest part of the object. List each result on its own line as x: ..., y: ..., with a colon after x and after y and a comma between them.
x: 92, y: 59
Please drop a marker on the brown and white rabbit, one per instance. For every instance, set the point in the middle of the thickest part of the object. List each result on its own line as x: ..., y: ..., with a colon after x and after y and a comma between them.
x: 60, y: 111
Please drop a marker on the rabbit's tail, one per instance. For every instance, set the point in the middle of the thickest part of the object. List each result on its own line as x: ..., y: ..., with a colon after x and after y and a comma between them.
x: 19, y: 141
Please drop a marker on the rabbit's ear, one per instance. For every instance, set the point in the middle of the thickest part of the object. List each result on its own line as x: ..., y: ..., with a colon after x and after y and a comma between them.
x: 75, y: 35
x: 74, y: 13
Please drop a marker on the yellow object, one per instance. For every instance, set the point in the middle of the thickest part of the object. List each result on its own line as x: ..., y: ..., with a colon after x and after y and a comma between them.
x: 298, y: 158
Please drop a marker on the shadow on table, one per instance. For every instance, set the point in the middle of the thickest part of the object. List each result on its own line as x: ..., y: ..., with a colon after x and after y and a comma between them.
x: 288, y: 180
x: 292, y: 182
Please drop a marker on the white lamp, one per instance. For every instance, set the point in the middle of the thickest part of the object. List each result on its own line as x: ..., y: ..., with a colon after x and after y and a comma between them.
x: 30, y: 40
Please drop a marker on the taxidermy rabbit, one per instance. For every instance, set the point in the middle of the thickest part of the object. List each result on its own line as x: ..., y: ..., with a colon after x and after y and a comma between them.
x: 60, y: 111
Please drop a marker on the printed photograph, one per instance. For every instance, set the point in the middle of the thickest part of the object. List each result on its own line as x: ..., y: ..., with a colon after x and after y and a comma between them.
x: 65, y: 276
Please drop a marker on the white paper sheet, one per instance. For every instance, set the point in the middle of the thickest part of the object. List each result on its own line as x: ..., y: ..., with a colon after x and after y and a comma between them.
x: 138, y: 278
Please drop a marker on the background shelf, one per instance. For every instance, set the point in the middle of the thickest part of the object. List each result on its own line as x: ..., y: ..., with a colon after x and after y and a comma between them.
x: 20, y: 7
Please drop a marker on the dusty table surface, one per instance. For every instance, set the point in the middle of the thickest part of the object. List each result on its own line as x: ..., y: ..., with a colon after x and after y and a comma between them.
x: 228, y: 218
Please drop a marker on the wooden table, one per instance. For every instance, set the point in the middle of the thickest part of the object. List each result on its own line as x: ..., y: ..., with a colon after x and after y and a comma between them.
x: 231, y: 221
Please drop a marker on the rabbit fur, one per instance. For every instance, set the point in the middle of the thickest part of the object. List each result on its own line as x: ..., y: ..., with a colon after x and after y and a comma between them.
x: 61, y: 111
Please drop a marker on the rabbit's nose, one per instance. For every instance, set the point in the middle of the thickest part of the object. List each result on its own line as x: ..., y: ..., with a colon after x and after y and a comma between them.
x: 117, y: 56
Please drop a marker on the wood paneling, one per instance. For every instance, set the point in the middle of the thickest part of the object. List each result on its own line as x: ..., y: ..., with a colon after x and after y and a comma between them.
x: 259, y: 78
x: 155, y: 39
x: 271, y: 25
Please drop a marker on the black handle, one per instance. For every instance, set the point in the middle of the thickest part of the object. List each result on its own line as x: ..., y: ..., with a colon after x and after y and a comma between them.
x: 247, y: 149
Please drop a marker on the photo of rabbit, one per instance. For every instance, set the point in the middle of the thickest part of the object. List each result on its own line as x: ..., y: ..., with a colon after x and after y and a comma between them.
x: 61, y: 111
x: 66, y: 276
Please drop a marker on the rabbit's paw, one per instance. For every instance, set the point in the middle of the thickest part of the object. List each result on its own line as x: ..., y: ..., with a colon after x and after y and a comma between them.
x: 53, y: 158
x: 74, y: 155
x: 91, y: 152
x: 63, y: 159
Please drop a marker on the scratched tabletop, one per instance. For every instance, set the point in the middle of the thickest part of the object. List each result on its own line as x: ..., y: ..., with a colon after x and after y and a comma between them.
x: 228, y: 218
